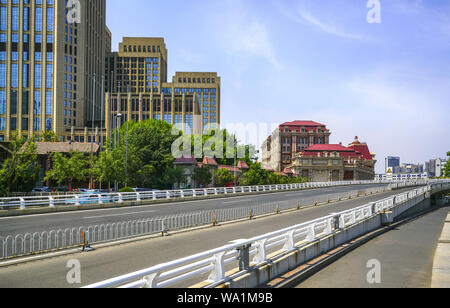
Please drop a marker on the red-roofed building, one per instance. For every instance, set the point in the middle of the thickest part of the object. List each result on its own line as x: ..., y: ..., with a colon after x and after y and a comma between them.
x: 289, y: 139
x: 334, y: 162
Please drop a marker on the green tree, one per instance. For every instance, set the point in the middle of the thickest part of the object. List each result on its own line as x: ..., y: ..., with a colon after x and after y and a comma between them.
x: 256, y: 175
x: 202, y: 177
x: 148, y: 149
x: 20, y: 171
x: 224, y: 146
x: 174, y: 177
x: 447, y: 166
x: 223, y: 177
x: 109, y: 167
x: 49, y: 136
x: 66, y: 169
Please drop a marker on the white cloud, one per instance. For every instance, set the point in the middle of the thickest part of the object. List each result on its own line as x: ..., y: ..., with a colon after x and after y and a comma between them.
x: 328, y: 28
x: 301, y: 15
x: 243, y: 34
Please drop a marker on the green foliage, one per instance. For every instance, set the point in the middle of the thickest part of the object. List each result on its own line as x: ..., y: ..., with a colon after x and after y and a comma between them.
x: 49, y: 136
x: 20, y: 170
x: 259, y: 176
x: 126, y: 190
x: 68, y: 169
x: 224, y: 147
x: 202, y: 177
x: 109, y: 167
x: 447, y: 166
x: 148, y: 152
x: 223, y: 177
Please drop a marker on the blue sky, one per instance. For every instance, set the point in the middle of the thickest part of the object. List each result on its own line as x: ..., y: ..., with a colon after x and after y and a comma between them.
x: 388, y: 83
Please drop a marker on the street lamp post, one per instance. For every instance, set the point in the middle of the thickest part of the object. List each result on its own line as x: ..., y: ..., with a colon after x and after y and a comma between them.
x: 116, y: 131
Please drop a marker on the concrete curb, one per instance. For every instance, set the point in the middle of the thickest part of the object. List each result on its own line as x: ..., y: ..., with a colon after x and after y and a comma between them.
x: 441, y: 263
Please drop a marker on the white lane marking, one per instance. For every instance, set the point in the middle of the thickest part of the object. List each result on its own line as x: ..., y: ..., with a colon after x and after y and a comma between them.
x: 123, y: 214
x: 237, y: 201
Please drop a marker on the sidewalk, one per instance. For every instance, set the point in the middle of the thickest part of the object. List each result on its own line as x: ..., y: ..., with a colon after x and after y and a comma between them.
x: 441, y: 266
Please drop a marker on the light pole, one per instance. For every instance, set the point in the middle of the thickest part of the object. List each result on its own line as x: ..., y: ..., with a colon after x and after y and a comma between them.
x: 91, y: 184
x: 116, y: 131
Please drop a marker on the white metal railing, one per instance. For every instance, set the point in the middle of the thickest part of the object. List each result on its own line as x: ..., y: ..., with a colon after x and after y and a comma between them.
x: 213, y: 262
x: 78, y: 200
x: 41, y: 242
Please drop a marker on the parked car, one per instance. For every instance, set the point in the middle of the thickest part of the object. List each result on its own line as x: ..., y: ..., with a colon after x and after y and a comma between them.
x: 142, y: 190
x: 40, y: 189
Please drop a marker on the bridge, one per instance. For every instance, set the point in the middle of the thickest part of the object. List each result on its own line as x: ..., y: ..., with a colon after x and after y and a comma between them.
x: 295, y: 219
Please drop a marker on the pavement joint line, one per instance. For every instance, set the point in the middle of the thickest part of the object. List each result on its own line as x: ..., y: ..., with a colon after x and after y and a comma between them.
x: 343, y: 250
x: 158, y: 235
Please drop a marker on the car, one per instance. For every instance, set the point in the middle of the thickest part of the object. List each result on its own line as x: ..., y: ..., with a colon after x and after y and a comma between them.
x: 40, y: 189
x: 142, y: 190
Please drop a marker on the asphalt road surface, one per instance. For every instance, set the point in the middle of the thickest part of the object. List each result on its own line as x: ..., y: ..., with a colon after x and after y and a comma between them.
x: 109, y: 262
x: 405, y: 256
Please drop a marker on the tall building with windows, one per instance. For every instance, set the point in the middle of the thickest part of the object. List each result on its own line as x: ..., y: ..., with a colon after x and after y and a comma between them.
x: 137, y: 89
x: 48, y: 64
x: 290, y: 138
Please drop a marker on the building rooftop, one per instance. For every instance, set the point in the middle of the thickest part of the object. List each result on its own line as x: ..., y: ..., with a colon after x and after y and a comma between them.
x: 302, y: 123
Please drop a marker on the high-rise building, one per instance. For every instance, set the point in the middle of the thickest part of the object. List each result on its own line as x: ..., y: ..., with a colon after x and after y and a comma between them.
x: 137, y: 89
x: 50, y: 66
x: 392, y: 164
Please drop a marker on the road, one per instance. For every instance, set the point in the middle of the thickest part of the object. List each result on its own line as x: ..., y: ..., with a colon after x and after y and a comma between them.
x: 114, y: 261
x: 405, y: 255
x: 11, y: 226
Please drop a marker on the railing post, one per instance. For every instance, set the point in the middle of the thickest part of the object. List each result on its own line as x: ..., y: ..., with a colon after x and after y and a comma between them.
x: 23, y: 207
x: 120, y: 198
x: 150, y: 282
x: 218, y: 273
x: 261, y: 255
x: 77, y: 200
x: 100, y: 201
x: 289, y: 244
x: 244, y: 257
x: 51, y: 201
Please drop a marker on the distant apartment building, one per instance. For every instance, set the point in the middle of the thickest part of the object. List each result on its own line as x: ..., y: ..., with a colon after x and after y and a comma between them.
x: 137, y: 89
x: 392, y: 163
x: 289, y: 139
x: 47, y: 67
x: 436, y: 167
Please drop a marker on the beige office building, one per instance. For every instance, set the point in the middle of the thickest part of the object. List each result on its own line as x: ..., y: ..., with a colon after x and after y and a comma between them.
x: 137, y: 89
x: 48, y: 64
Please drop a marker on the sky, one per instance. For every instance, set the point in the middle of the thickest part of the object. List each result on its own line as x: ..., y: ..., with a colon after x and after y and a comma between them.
x: 283, y: 60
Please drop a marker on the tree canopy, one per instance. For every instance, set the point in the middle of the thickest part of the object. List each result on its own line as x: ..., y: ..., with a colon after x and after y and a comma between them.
x: 20, y: 170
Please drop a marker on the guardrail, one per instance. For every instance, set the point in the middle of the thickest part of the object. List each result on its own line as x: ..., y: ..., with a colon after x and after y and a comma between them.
x: 48, y: 241
x: 78, y: 200
x: 212, y: 264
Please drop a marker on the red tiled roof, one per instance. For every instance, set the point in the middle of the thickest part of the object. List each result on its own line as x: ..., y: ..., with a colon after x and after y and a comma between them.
x: 243, y: 165
x: 210, y: 161
x: 185, y: 160
x: 328, y: 147
x: 229, y: 168
x: 44, y: 148
x: 288, y: 171
x: 302, y: 123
